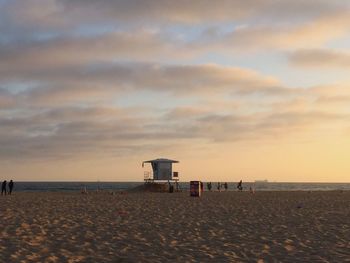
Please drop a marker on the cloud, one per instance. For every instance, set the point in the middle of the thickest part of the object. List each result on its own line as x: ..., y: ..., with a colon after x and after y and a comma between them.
x: 55, y: 49
x: 64, y: 131
x: 68, y: 132
x: 267, y: 24
x: 93, y: 81
x: 257, y: 126
x: 320, y: 58
x: 61, y: 12
x: 334, y: 98
x: 306, y: 34
x: 7, y: 100
x: 66, y: 51
x: 336, y: 89
x: 68, y: 70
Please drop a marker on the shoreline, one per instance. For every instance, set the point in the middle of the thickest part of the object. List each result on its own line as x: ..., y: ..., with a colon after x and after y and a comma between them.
x: 112, y: 186
x: 132, y: 191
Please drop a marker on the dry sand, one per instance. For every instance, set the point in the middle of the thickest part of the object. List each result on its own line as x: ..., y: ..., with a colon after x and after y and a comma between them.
x: 163, y: 227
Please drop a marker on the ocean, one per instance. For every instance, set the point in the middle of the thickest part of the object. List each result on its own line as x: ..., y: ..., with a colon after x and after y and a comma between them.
x: 120, y: 186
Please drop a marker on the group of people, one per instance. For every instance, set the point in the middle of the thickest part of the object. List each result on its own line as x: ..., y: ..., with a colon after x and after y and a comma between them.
x: 224, y: 185
x: 4, y: 187
x: 219, y: 185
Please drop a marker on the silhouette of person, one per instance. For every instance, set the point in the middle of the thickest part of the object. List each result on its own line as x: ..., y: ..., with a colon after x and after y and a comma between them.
x: 219, y: 186
x: 225, y: 186
x: 10, y: 186
x: 3, y: 188
x: 209, y: 186
x: 239, y: 186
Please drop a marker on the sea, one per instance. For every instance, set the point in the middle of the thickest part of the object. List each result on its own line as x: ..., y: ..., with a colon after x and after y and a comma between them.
x: 122, y: 186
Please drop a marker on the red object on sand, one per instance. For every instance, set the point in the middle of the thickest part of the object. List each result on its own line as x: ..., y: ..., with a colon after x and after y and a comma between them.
x: 195, y: 188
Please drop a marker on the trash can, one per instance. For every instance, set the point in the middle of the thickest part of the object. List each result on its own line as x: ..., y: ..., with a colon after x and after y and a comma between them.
x: 195, y: 188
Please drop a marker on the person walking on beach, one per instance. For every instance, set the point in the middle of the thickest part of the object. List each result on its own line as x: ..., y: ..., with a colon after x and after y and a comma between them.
x: 3, y: 188
x: 225, y: 186
x: 176, y: 186
x: 209, y: 186
x: 10, y: 187
x: 239, y: 186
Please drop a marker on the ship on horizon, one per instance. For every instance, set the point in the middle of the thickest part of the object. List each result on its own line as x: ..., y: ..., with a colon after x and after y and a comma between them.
x: 261, y: 181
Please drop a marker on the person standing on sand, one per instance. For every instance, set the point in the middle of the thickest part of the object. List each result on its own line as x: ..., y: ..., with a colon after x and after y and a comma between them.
x: 239, y: 186
x: 3, y: 188
x: 209, y: 186
x: 10, y: 187
x: 219, y: 187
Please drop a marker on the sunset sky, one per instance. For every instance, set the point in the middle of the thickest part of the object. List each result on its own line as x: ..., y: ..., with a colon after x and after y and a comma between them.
x: 240, y: 89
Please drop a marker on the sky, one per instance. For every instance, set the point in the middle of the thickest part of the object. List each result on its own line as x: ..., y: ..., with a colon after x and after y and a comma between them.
x: 240, y: 89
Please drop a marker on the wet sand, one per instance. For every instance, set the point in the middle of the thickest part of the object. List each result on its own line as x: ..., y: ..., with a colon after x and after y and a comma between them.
x: 163, y: 227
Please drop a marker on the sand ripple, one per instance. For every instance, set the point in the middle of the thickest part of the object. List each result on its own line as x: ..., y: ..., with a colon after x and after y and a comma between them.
x: 156, y: 227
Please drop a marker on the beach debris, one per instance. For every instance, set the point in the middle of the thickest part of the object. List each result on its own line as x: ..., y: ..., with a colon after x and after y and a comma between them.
x: 122, y: 213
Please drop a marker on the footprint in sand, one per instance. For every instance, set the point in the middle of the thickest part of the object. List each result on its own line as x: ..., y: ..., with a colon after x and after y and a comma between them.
x: 289, y: 248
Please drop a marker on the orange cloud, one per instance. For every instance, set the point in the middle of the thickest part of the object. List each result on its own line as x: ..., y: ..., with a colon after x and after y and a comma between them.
x: 321, y: 58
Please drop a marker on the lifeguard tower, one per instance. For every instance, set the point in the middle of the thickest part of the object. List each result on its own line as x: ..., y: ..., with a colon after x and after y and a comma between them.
x: 162, y: 171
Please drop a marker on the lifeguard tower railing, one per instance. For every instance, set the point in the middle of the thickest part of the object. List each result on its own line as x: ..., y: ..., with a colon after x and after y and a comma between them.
x: 148, y: 176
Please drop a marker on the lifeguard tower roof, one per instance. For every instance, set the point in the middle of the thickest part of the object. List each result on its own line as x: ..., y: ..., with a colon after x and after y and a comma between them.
x: 161, y: 160
x: 162, y: 168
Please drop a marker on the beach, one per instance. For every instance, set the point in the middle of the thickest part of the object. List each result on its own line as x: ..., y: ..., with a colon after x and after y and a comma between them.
x: 228, y: 226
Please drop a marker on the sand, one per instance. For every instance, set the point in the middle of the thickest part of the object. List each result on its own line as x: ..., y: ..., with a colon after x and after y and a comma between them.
x: 163, y: 227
